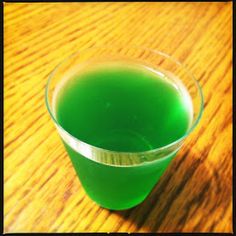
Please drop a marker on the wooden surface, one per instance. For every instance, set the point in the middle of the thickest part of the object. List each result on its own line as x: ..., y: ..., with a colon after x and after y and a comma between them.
x: 41, y: 190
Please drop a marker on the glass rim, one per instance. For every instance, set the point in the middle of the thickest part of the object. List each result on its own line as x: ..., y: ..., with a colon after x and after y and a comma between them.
x: 148, y: 152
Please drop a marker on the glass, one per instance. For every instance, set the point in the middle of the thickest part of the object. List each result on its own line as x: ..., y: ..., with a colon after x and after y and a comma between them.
x: 113, y: 179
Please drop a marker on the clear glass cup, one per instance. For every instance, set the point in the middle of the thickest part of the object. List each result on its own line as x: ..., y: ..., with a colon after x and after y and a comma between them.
x: 121, y: 180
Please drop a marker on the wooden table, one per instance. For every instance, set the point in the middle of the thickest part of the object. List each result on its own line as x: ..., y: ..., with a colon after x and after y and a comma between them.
x: 42, y: 192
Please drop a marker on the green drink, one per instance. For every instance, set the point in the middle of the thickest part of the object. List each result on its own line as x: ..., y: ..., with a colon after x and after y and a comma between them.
x: 122, y: 107
x: 122, y: 113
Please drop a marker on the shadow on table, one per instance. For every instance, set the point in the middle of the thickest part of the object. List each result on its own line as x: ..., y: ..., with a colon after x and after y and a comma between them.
x: 186, y: 190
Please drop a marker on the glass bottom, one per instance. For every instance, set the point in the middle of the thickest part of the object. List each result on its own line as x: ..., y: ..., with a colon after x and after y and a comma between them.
x: 117, y: 187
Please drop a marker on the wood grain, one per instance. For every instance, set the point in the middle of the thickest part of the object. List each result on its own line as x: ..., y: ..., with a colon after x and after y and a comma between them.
x: 41, y: 190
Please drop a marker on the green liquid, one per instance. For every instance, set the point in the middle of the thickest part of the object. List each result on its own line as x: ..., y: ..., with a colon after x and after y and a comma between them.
x: 126, y: 108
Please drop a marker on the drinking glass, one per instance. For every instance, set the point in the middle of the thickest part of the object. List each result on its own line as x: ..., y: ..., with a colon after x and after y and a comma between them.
x: 121, y: 180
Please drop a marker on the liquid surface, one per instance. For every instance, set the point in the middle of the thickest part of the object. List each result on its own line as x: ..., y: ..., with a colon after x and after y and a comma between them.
x: 123, y: 107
